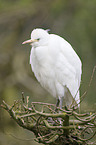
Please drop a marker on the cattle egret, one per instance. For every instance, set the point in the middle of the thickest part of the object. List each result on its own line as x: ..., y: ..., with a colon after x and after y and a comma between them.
x: 56, y: 65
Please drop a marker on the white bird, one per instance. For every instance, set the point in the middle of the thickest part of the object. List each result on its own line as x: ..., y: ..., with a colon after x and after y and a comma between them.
x: 56, y: 65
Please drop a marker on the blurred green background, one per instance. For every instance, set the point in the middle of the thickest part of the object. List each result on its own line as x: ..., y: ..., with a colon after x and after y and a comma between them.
x: 73, y: 20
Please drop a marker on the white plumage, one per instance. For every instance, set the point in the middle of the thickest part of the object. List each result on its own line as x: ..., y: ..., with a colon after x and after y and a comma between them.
x: 56, y: 65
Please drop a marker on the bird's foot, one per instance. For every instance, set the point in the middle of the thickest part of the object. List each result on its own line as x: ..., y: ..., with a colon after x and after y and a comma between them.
x: 57, y: 104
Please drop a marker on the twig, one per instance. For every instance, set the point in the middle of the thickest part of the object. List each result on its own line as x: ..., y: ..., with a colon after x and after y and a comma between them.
x: 82, y: 97
x: 58, y: 127
x: 88, y: 138
x: 46, y: 131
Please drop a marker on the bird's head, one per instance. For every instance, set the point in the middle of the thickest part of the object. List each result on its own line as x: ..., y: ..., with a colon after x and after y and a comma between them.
x: 39, y: 37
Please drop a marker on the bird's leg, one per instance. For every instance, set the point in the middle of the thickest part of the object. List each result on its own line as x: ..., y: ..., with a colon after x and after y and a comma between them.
x: 56, y: 110
x: 61, y: 102
x: 57, y: 104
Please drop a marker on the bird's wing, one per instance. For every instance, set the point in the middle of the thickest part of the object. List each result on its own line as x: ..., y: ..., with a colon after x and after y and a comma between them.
x: 68, y: 66
x: 71, y: 56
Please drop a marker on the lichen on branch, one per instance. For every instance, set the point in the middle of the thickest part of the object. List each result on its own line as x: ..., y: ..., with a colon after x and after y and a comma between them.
x: 50, y: 125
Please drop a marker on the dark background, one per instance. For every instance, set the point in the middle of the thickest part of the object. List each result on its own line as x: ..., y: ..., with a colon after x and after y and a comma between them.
x: 73, y: 20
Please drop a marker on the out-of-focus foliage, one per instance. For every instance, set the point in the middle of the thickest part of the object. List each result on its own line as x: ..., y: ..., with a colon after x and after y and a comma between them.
x: 73, y: 20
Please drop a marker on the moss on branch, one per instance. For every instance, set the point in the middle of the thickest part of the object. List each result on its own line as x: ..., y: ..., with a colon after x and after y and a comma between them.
x: 46, y: 123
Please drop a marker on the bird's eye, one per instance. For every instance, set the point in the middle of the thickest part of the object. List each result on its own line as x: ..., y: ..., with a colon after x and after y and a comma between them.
x: 38, y: 39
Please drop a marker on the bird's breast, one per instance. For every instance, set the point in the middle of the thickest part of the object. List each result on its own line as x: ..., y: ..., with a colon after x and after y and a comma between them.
x: 39, y: 59
x: 43, y: 69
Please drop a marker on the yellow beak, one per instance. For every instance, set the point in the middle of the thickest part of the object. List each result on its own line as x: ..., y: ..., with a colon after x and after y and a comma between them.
x: 29, y: 41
